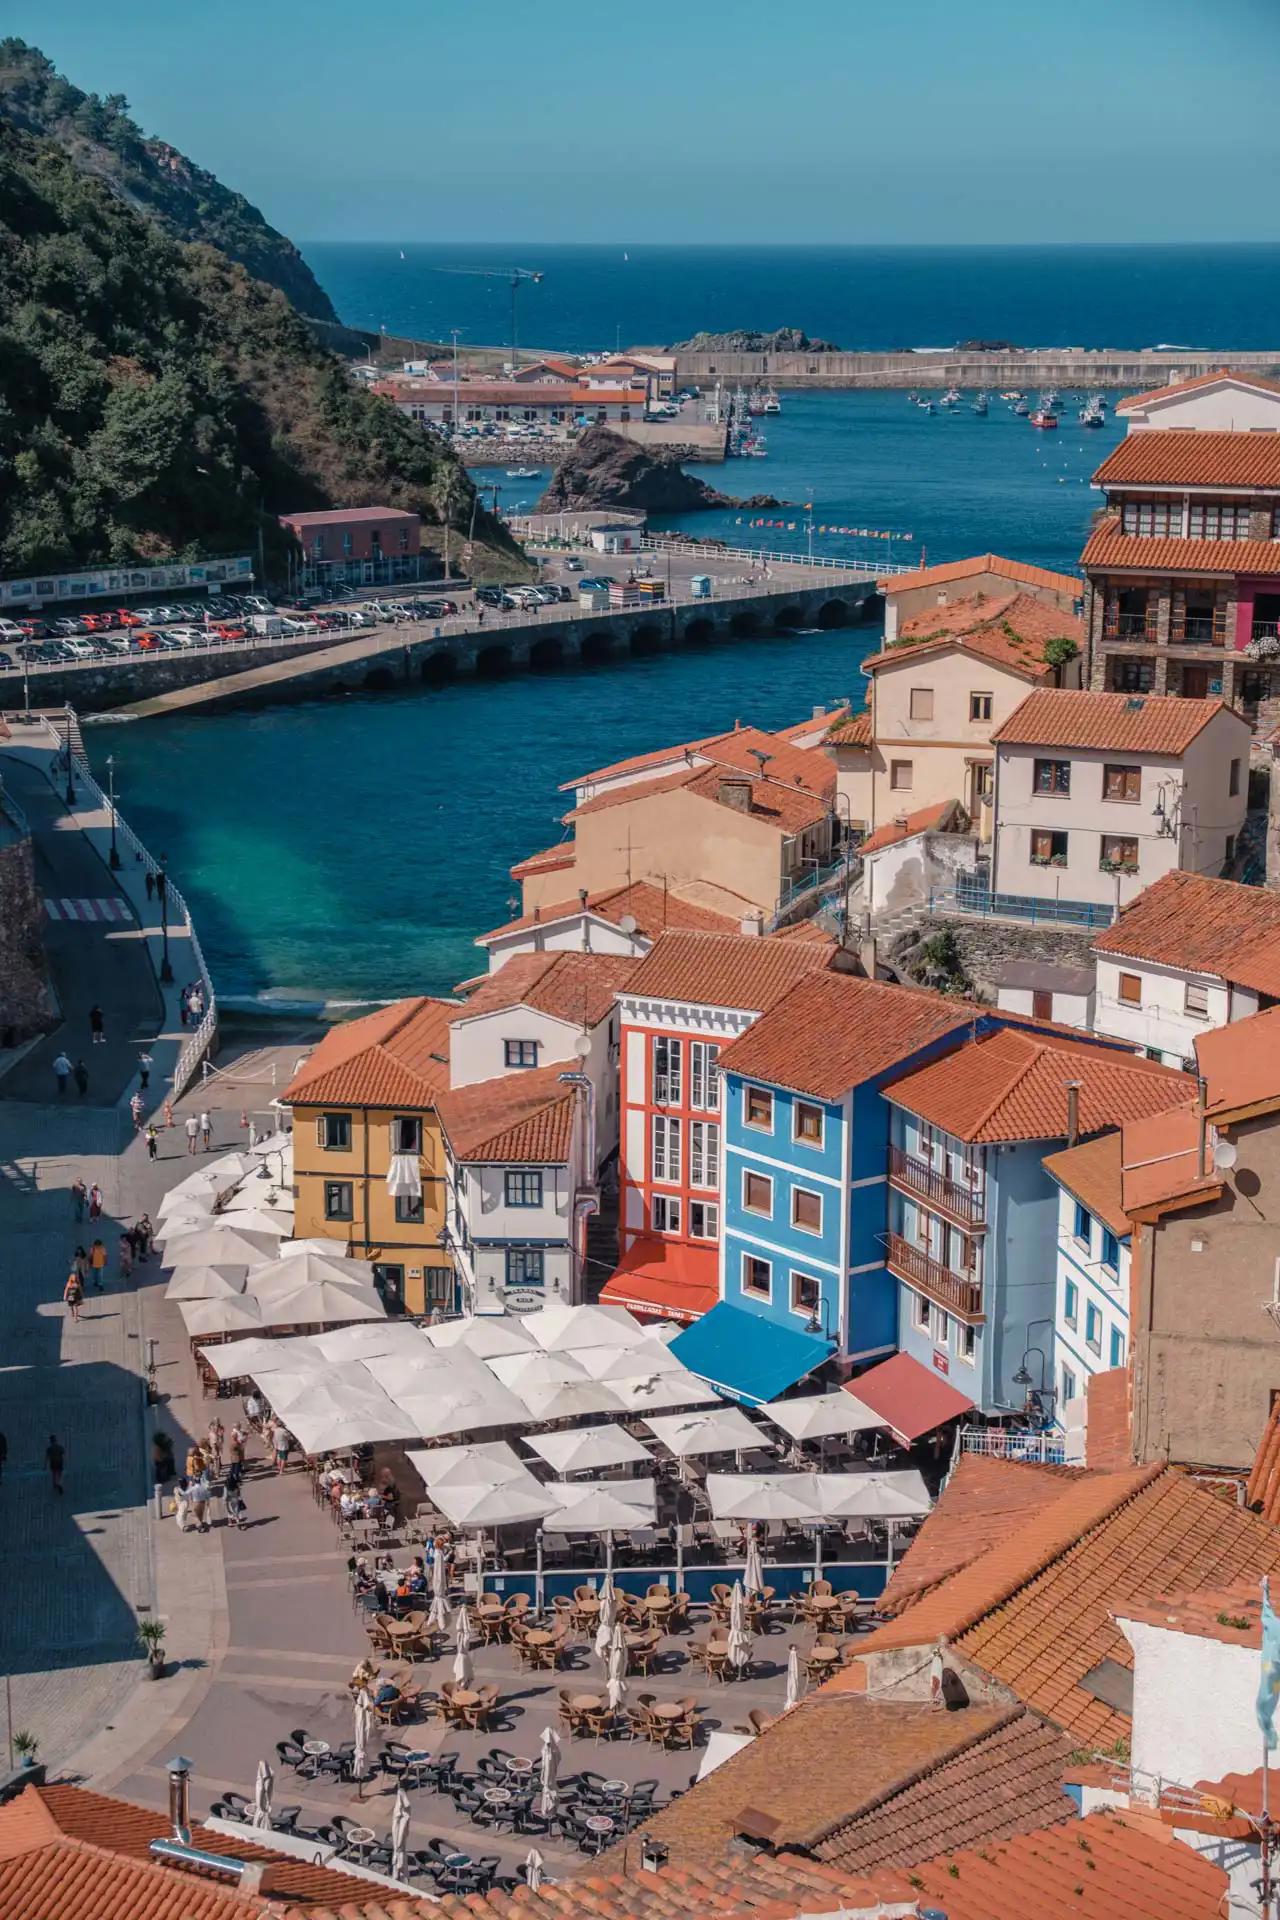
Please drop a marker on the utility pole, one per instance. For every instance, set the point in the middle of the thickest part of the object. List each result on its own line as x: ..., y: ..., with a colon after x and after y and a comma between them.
x: 114, y: 861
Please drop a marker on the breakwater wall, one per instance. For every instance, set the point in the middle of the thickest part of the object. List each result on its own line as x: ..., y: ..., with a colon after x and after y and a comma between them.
x: 1052, y: 367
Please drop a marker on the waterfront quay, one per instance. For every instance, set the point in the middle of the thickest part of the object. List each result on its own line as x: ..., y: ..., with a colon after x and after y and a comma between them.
x: 1074, y: 367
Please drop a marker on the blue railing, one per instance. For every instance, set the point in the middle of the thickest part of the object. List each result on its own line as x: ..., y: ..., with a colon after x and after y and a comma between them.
x: 867, y: 1578
x: 968, y: 898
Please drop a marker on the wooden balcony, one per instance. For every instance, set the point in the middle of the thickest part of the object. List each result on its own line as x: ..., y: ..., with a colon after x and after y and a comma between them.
x: 963, y: 1204
x: 950, y: 1290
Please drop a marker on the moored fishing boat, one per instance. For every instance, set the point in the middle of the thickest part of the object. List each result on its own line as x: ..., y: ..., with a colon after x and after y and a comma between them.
x: 1044, y: 419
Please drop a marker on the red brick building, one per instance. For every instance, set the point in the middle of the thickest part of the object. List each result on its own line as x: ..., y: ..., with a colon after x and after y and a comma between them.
x: 367, y: 546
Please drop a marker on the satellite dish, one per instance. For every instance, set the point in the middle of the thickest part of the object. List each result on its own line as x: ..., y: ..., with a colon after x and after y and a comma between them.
x: 582, y: 1047
x: 1225, y: 1155
x: 627, y: 922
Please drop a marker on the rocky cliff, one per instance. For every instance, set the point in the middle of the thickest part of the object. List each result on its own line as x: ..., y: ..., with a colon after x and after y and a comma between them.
x: 604, y: 470
x: 746, y: 340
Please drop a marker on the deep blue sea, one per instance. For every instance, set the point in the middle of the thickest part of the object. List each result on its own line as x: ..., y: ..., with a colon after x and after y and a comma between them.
x: 350, y: 850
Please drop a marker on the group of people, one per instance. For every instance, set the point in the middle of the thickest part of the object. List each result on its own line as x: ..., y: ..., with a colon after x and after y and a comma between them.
x: 214, y: 1470
x: 191, y: 1004
x: 199, y: 1131
x: 89, y: 1265
x: 64, y: 1071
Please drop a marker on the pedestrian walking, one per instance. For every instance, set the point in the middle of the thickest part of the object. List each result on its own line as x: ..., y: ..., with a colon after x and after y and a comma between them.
x: 125, y: 1251
x: 184, y: 1005
x: 98, y: 1263
x: 79, y: 1197
x: 237, y: 1512
x: 55, y: 1459
x: 97, y: 1027
x: 151, y: 884
x: 168, y: 1111
x: 135, y: 1108
x: 73, y: 1293
x: 62, y: 1067
x: 153, y: 1143
x: 196, y: 1002
x: 95, y: 1202
x: 195, y: 1460
x: 206, y: 1132
x: 193, y: 1132
x: 216, y: 1435
x: 146, y: 1233
x: 200, y: 1502
x: 235, y: 1447
x: 182, y: 1503
x: 162, y: 883
x: 81, y: 1078
x: 280, y: 1445
x: 144, y: 1070
x: 80, y: 1262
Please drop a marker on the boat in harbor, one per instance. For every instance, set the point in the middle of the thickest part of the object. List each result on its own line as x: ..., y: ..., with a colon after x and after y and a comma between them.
x: 757, y: 402
x: 951, y: 398
x: 981, y: 406
x: 1022, y: 407
x: 1045, y: 419
x: 926, y: 406
x: 1091, y: 413
x: 523, y: 473
x: 1011, y: 393
x: 772, y: 404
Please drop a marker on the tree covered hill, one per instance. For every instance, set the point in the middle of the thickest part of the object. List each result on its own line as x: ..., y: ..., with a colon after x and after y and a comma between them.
x: 157, y: 402
x: 150, y: 175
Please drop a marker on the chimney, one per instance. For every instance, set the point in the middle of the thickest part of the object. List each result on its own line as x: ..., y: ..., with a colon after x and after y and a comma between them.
x: 752, y: 922
x: 1073, y: 1111
x: 582, y: 898
x: 180, y: 1797
x: 735, y: 794
x: 819, y: 713
x: 1202, y: 1126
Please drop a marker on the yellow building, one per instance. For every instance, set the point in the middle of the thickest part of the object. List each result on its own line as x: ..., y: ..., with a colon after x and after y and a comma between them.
x: 368, y: 1154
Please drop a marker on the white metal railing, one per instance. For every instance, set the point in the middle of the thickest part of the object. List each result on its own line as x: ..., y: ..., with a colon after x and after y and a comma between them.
x: 201, y: 1038
x: 1001, y: 1443
x: 765, y: 556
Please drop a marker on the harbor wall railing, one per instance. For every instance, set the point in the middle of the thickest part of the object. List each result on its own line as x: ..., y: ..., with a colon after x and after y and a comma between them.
x: 867, y: 1578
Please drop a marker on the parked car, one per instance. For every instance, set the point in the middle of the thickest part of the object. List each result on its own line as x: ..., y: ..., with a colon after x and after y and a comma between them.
x: 112, y: 643
x: 572, y: 564
x: 144, y: 638
x: 80, y: 649
x: 67, y: 625
x: 7, y: 662
x: 131, y: 617
x: 35, y: 629
x: 10, y: 630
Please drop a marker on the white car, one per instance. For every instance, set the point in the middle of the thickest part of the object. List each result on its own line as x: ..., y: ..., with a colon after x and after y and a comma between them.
x: 10, y: 630
x: 188, y: 636
x: 82, y: 649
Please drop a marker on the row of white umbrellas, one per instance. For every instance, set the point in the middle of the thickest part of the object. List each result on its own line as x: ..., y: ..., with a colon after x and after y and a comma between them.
x: 891, y: 1494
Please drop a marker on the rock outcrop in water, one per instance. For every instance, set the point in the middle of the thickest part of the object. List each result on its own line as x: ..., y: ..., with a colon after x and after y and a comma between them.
x: 747, y: 340
x: 604, y: 470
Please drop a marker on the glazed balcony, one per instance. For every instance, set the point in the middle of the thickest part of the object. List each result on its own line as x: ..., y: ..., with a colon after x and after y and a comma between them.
x: 958, y: 1294
x: 962, y: 1203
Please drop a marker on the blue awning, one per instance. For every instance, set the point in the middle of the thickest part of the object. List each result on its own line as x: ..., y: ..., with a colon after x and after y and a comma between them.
x: 746, y: 1356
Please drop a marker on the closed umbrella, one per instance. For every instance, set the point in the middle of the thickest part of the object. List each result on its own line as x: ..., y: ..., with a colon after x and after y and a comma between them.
x: 364, y: 1727
x: 533, y: 1869
x: 753, y: 1572
x: 795, y: 1684
x: 439, y: 1614
x: 617, y: 1669
x: 549, y: 1772
x: 737, y: 1609
x: 400, y: 1836
x: 608, y: 1615
x: 462, y: 1674
x: 262, y: 1795
x: 739, y: 1645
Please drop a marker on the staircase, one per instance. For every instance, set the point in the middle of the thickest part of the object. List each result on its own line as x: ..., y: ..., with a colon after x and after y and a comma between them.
x: 602, y: 1245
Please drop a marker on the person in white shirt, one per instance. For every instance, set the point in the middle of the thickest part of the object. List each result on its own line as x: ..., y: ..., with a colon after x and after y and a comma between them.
x: 62, y: 1067
x: 193, y: 1132
x: 206, y: 1132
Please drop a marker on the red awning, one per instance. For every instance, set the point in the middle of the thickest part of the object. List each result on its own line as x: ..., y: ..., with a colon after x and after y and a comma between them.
x: 910, y: 1399
x: 666, y: 1279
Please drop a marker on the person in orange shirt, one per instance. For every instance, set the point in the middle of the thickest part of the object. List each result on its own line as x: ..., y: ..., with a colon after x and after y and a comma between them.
x: 97, y: 1263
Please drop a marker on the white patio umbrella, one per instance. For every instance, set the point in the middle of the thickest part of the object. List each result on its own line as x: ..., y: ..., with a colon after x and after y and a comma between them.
x: 485, y: 1464
x: 258, y: 1220
x: 400, y: 1836
x: 318, y: 1300
x: 602, y: 1511
x: 363, y: 1731
x: 764, y: 1496
x: 369, y: 1340
x: 561, y: 1329
x: 418, y: 1370
x: 205, y: 1283
x: 186, y: 1215
x: 646, y: 1393
x: 262, y: 1795
x: 289, y: 1269
x: 583, y: 1449
x: 203, y: 1186
x: 461, y: 1649
x: 718, y: 1430
x: 795, y: 1681
x: 507, y: 1504
x: 895, y: 1494
x: 549, y: 1772
x: 525, y: 1371
x: 607, y: 1616
x: 228, y: 1315
x: 446, y: 1405
x: 218, y: 1245
x: 625, y: 1363
x: 487, y: 1336
x: 229, y: 1168
x: 817, y: 1415
x: 439, y: 1614
x: 259, y: 1193
x: 617, y: 1690
x: 753, y: 1572
x: 533, y: 1869
x: 571, y: 1400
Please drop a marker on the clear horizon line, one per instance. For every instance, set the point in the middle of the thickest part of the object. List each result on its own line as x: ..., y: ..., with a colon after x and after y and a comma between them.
x: 797, y: 246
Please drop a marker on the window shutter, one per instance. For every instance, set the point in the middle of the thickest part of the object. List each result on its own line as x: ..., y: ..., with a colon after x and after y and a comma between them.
x: 1153, y: 613
x: 320, y: 1131
x: 1220, y: 621
x: 1178, y: 614
x: 393, y: 1145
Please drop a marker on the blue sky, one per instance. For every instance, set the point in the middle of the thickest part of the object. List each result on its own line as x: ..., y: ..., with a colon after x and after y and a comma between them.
x: 707, y: 120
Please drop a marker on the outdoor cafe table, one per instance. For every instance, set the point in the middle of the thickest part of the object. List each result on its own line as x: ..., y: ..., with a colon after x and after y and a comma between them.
x: 359, y: 1838
x: 497, y: 1796
x: 669, y: 1711
x: 518, y: 1768
x: 825, y: 1657
x: 657, y: 1602
x: 823, y: 1602
x: 538, y: 1637
x: 586, y: 1702
x: 599, y: 1823
x: 464, y: 1697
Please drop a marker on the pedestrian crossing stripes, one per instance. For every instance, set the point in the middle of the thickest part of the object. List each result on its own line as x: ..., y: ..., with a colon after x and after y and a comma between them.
x: 113, y: 908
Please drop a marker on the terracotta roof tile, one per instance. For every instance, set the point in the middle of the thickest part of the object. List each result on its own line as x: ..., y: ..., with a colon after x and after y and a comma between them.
x: 1229, y: 1615
x: 1262, y: 1491
x: 1126, y: 722
x: 1108, y: 1433
x: 1160, y: 1161
x: 1018, y: 570
x: 577, y: 987
x: 1133, y: 400
x: 547, y: 860
x: 1036, y: 1610
x: 854, y: 730
x: 1012, y: 1085
x: 1241, y: 1063
x: 1091, y: 1174
x: 792, y: 788
x: 1108, y: 548
x: 1193, y: 459
x: 396, y: 1057
x: 654, y: 909
x: 832, y: 1031
x: 723, y: 969
x: 907, y: 825
x: 521, y: 1117
x: 1011, y: 632
x: 785, y: 1886
x: 1201, y: 925
x: 656, y: 759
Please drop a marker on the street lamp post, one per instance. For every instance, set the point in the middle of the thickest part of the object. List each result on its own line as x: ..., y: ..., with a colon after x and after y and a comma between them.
x: 162, y: 888
x: 71, y: 789
x: 114, y: 860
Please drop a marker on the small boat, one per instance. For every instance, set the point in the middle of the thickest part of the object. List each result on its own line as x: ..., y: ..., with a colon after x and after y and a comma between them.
x: 1050, y: 402
x: 912, y: 398
x: 1043, y: 419
x: 772, y: 404
x: 980, y: 406
x: 523, y: 473
x: 951, y: 398
x: 1011, y: 393
x: 1022, y: 408
x: 926, y: 406
x: 1091, y: 414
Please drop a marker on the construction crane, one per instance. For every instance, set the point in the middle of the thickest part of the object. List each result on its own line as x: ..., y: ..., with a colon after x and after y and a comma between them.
x: 515, y: 277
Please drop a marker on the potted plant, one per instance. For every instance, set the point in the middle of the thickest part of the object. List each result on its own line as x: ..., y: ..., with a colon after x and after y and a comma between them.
x: 151, y: 1635
x: 26, y: 1746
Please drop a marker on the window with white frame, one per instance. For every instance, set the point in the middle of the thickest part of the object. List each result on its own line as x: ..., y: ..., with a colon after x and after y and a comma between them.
x: 806, y: 1293
x: 666, y: 1071
x: 968, y: 1343
x: 922, y: 1311
x: 941, y: 1327
x: 807, y: 1123
x: 665, y: 1213
x: 757, y: 1277
x: 757, y: 1108
x: 1068, y: 1384
x: 1117, y: 1347
x: 806, y: 1210
x: 704, y: 1220
x: 704, y: 1153
x: 665, y: 1162
x: 757, y: 1192
x: 1093, y: 1328
x: 703, y: 1091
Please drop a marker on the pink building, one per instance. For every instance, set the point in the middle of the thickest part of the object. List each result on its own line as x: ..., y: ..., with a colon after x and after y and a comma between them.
x: 363, y: 545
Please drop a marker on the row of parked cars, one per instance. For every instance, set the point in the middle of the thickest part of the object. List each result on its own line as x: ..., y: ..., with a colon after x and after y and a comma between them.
x: 522, y: 596
x: 113, y: 631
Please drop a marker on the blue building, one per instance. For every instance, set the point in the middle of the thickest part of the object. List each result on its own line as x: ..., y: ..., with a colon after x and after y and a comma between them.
x: 973, y: 1213
x: 806, y: 1155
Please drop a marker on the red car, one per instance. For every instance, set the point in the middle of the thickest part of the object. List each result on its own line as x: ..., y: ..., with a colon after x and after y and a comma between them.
x: 129, y: 617
x: 97, y: 622
x: 145, y: 638
x: 226, y: 631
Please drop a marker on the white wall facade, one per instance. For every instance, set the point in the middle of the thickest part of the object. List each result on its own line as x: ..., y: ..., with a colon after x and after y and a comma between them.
x: 1091, y: 1305
x: 1068, y: 1009
x: 486, y: 1230
x: 1167, y: 1018
x: 1227, y: 407
x: 1193, y: 1704
x: 478, y: 1052
x: 577, y: 932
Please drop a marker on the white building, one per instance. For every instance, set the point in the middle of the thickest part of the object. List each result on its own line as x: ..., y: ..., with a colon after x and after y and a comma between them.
x: 1098, y: 795
x: 1044, y: 991
x: 1189, y: 954
x: 1223, y: 402
x: 624, y: 922
x: 1091, y: 1312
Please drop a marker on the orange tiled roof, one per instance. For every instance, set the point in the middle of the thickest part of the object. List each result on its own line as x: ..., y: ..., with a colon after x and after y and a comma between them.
x: 1201, y: 925
x: 1012, y: 1085
x: 1036, y: 1610
x: 786, y: 1886
x: 1193, y: 459
x: 854, y: 730
x: 1133, y: 400
x: 723, y: 969
x: 793, y: 789
x: 578, y: 987
x: 1241, y: 1063
x: 1157, y: 723
x: 983, y: 563
x: 1091, y: 1172
x: 524, y: 1117
x: 907, y: 825
x: 654, y: 909
x: 833, y: 1030
x: 1108, y: 548
x: 547, y: 860
x: 1262, y: 1492
x: 1231, y: 1615
x: 986, y: 1500
x: 1011, y: 632
x: 657, y: 757
x: 396, y: 1057
x: 1108, y: 1432
x: 1161, y: 1161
